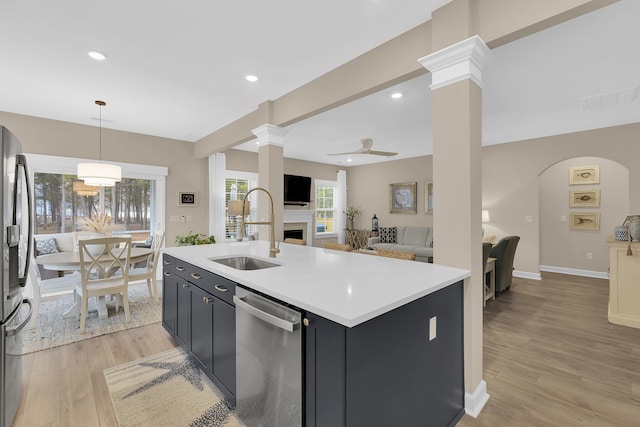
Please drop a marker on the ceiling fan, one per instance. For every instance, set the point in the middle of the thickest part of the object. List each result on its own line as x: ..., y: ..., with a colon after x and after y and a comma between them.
x: 367, y: 143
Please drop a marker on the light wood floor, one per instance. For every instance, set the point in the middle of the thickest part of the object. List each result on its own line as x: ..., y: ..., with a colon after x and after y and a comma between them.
x: 550, y: 359
x: 65, y: 387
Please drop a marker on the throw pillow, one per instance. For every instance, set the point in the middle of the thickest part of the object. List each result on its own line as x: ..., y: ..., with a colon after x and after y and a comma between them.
x: 44, y: 247
x: 388, y: 234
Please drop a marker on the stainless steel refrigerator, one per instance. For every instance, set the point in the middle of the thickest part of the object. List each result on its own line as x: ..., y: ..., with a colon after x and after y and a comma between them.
x: 17, y: 238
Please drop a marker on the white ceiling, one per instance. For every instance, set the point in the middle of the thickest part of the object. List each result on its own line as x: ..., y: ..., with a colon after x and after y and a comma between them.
x: 533, y: 87
x: 177, y: 70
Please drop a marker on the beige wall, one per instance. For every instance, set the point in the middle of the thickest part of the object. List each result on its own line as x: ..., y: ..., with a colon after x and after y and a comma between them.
x: 56, y: 138
x: 510, y: 179
x: 561, y: 246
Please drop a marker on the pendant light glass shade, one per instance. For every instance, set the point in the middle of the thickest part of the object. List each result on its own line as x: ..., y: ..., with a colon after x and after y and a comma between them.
x: 99, y: 174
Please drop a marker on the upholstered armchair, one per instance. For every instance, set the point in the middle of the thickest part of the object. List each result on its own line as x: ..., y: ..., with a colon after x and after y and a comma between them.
x: 504, y: 252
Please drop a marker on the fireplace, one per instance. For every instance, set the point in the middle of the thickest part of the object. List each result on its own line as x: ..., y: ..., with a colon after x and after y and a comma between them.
x: 294, y: 234
x: 296, y: 220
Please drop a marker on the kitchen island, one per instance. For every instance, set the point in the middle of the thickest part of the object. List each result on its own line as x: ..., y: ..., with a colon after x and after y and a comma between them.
x: 382, y: 339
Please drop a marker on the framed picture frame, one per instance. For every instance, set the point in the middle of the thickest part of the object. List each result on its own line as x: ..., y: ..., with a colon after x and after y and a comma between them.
x: 580, y: 175
x: 584, y: 198
x: 187, y: 198
x: 584, y: 221
x: 402, y: 197
x: 428, y: 197
x: 627, y: 220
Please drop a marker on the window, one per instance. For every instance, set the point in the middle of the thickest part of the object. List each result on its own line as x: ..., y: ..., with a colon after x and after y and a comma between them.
x: 61, y: 201
x: 237, y: 185
x: 325, y: 206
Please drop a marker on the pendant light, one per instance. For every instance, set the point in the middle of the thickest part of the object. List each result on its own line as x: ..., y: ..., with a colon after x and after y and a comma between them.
x: 99, y: 174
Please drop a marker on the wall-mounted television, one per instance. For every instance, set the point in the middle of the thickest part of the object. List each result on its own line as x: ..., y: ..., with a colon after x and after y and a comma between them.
x: 297, y: 190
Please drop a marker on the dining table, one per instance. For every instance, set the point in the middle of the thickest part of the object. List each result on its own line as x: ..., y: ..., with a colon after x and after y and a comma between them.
x: 70, y: 261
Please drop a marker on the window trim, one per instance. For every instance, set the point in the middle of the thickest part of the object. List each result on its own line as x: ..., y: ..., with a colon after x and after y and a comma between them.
x: 334, y: 185
x: 252, y: 177
x: 41, y: 163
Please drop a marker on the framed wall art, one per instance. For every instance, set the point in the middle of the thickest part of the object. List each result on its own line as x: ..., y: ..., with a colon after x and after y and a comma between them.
x: 584, y: 198
x: 584, y: 221
x: 579, y: 175
x: 428, y: 197
x: 402, y: 197
x: 188, y: 198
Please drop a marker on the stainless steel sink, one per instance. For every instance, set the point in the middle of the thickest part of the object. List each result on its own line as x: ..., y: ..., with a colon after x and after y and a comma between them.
x: 244, y: 262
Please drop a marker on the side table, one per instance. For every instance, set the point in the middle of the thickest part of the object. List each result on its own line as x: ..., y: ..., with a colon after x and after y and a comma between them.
x: 490, y: 289
x: 357, y: 239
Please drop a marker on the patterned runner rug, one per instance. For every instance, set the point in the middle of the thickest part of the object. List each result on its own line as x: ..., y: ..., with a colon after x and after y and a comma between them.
x: 51, y: 330
x: 167, y: 389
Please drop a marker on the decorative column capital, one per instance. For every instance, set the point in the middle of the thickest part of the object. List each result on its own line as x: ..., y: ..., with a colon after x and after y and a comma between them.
x: 270, y: 135
x: 460, y: 61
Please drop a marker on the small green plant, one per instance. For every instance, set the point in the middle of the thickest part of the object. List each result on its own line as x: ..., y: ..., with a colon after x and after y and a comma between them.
x: 192, y: 238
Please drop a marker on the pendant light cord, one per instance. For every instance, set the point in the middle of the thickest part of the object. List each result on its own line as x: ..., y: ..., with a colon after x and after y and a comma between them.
x: 101, y: 104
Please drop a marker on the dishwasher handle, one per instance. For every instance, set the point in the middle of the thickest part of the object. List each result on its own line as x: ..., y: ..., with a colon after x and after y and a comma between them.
x: 267, y: 317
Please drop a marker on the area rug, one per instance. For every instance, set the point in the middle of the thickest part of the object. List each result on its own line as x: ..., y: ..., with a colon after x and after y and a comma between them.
x: 52, y: 330
x: 167, y: 389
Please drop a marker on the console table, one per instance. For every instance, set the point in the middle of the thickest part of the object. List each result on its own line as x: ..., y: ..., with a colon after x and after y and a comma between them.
x: 357, y: 239
x: 624, y: 292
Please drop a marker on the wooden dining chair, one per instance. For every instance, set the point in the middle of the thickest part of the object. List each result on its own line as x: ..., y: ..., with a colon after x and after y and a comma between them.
x: 49, y: 288
x: 104, y: 270
x: 148, y: 272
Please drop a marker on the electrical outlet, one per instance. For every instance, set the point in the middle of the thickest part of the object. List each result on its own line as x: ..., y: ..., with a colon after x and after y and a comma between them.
x: 563, y: 218
x: 432, y: 328
x: 589, y: 255
x: 528, y: 218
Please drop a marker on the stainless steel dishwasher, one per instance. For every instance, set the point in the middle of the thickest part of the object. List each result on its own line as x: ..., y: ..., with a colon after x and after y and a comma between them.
x: 268, y: 362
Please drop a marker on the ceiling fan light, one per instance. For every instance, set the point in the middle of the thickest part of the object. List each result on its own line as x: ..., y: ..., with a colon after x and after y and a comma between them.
x: 99, y: 174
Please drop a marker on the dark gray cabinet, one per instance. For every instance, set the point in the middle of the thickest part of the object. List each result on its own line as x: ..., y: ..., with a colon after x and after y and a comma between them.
x: 200, y: 316
x: 387, y: 371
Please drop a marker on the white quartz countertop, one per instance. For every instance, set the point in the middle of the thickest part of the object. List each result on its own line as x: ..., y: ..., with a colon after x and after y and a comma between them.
x: 347, y: 288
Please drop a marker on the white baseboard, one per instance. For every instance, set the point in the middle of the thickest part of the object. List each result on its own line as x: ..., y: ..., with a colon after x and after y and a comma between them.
x: 473, y: 403
x: 575, y: 271
x: 527, y: 275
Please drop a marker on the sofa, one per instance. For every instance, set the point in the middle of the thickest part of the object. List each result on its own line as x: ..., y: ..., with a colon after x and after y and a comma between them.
x: 416, y: 240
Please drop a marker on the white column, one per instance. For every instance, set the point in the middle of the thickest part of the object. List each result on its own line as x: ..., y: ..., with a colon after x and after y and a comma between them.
x: 271, y: 177
x: 217, y: 209
x: 457, y: 174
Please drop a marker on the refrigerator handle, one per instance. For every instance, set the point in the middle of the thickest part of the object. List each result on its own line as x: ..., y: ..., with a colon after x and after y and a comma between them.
x: 21, y: 161
x: 14, y: 330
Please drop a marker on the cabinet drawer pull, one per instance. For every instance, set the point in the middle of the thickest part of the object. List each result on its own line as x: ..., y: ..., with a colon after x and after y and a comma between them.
x: 207, y: 300
x: 221, y: 288
x: 179, y: 268
x: 196, y: 276
x: 185, y: 285
x: 167, y: 263
x: 167, y: 274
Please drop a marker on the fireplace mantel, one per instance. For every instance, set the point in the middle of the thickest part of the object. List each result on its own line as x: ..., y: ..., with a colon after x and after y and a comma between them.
x: 301, y: 216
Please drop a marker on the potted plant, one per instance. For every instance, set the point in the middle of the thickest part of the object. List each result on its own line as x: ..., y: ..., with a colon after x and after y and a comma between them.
x: 192, y: 238
x: 351, y: 213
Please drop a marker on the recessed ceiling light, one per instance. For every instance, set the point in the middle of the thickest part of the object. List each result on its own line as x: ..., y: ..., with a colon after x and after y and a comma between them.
x: 396, y: 95
x: 98, y: 56
x: 252, y: 78
x: 349, y: 160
